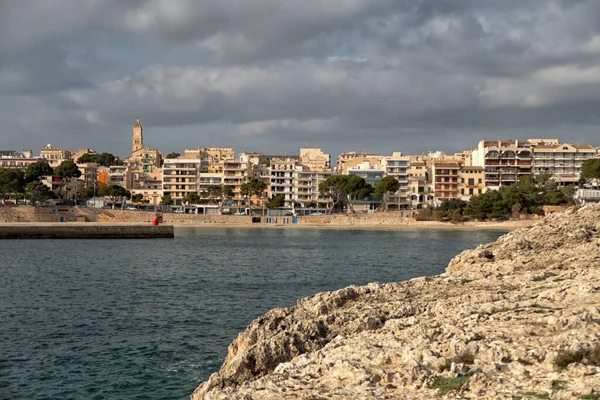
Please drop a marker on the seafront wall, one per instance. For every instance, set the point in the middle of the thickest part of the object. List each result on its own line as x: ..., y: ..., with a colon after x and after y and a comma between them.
x: 76, y: 214
x: 85, y: 231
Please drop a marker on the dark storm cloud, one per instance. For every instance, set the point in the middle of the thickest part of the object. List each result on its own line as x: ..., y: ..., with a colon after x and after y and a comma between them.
x: 270, y: 73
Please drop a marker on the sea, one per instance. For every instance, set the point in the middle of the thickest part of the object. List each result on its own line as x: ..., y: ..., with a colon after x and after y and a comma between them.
x: 152, y: 319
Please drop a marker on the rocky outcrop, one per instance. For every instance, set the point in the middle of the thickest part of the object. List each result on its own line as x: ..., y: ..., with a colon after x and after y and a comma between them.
x: 517, y: 318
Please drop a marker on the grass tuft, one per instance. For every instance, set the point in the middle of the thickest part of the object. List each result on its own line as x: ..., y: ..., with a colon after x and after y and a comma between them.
x: 447, y: 385
x: 537, y: 395
x: 589, y: 357
x: 539, y: 278
x: 558, y: 385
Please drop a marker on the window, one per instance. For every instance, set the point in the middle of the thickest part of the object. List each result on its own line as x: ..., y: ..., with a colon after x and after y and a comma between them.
x: 479, y: 181
x: 462, y: 191
x: 462, y: 180
x: 471, y: 191
x: 471, y: 181
x: 479, y: 191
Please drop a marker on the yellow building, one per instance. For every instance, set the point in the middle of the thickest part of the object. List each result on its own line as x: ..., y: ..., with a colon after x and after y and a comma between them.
x: 562, y: 161
x: 472, y: 181
x: 148, y: 159
x: 54, y: 156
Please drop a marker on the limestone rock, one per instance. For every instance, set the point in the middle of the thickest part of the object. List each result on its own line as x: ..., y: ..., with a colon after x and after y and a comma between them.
x: 496, y: 325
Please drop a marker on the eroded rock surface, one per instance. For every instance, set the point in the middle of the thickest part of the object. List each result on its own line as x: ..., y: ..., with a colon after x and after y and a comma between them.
x: 497, y: 325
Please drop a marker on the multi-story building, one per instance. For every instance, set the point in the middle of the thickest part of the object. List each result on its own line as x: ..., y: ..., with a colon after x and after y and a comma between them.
x: 368, y: 171
x: 180, y: 177
x: 115, y: 175
x: 472, y: 181
x: 504, y: 161
x: 562, y: 161
x: 235, y: 173
x: 54, y: 156
x: 419, y: 182
x: 17, y: 159
x: 212, y: 158
x: 89, y: 174
x: 282, y: 171
x: 207, y: 180
x: 151, y: 189
x: 445, y: 177
x: 397, y: 166
x: 306, y: 186
x: 348, y: 161
x: 315, y: 160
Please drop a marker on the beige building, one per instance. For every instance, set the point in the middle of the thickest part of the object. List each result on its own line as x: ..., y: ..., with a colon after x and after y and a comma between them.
x: 504, y: 161
x: 472, y: 181
x: 420, y: 185
x: 235, y: 173
x: 562, y: 161
x: 180, y: 177
x: 445, y: 177
x: 397, y: 166
x: 315, y: 159
x: 306, y: 187
x: 212, y: 158
x: 54, y: 156
x: 352, y: 161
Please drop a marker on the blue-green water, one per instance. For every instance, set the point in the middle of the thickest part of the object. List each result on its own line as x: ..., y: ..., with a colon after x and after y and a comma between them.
x: 151, y: 319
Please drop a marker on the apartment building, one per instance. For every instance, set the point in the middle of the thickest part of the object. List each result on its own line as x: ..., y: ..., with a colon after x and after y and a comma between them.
x: 235, y: 173
x: 180, y: 177
x: 306, y: 186
x: 54, y: 156
x: 372, y: 173
x: 445, y: 177
x: 212, y: 158
x: 315, y: 159
x: 17, y: 159
x: 397, y: 166
x: 151, y: 189
x: 472, y: 181
x: 89, y: 174
x: 282, y: 173
x: 562, y: 161
x: 420, y: 185
x: 504, y: 161
x: 347, y: 161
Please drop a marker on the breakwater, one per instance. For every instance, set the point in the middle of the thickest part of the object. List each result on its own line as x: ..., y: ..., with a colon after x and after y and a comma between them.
x: 85, y: 231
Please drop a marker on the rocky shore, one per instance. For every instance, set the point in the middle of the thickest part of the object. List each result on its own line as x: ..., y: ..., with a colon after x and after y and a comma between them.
x: 515, y: 319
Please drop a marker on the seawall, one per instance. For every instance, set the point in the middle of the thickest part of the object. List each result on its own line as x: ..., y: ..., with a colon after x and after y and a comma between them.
x: 85, y: 231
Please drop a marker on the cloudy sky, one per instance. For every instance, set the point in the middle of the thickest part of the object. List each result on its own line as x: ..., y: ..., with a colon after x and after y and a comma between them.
x: 276, y: 75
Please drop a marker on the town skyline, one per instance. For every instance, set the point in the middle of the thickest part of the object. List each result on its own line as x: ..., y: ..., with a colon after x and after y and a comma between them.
x: 124, y: 151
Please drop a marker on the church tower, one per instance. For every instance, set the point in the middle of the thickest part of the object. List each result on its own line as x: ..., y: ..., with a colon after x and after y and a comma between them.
x: 138, y: 137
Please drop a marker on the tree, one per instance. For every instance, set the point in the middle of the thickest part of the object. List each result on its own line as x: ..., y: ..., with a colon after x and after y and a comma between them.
x: 173, y: 155
x: 67, y: 169
x: 254, y: 187
x: 36, y: 191
x: 86, y: 193
x: 166, y: 200
x: 388, y: 184
x: 345, y: 188
x: 104, y: 159
x: 590, y: 169
x: 12, y: 181
x: 191, y: 198
x: 37, y: 169
x: 137, y: 198
x: 275, y: 202
x: 114, y: 193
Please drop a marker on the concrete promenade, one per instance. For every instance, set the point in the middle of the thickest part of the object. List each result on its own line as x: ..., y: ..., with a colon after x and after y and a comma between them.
x: 84, y: 231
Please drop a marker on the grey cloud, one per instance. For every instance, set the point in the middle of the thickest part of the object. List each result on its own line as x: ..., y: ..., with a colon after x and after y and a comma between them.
x: 266, y: 71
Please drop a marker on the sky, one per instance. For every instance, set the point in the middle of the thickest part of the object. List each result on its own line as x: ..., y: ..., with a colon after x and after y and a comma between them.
x: 276, y: 75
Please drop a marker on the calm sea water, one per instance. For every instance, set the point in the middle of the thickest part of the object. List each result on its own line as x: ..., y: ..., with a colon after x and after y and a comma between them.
x: 151, y: 319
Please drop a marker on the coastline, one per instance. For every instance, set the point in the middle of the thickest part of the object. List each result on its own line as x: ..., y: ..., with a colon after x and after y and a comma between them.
x: 413, y: 225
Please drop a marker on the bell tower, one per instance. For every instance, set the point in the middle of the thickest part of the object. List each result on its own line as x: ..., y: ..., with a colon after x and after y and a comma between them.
x: 138, y: 137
